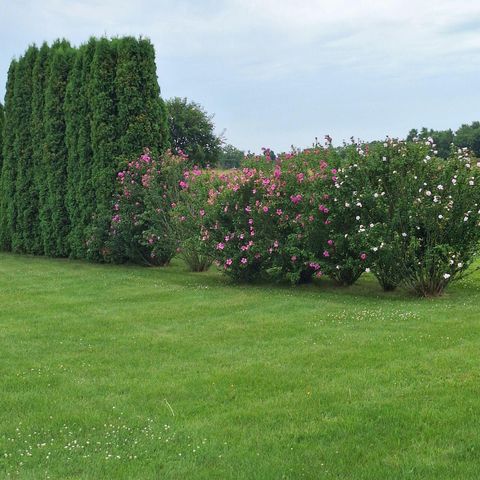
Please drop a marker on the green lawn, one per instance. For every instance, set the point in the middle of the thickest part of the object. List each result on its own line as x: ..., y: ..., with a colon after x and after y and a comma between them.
x: 121, y: 372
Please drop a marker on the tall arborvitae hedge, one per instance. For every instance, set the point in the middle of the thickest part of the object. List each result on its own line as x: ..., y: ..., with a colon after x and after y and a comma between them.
x: 25, y: 212
x: 74, y: 120
x: 71, y: 116
x: 54, y: 214
x: 104, y: 135
x: 7, y: 193
x: 141, y: 118
x: 1, y: 136
x: 39, y: 195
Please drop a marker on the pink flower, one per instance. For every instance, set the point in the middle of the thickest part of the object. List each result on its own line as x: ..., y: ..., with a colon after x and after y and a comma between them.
x: 330, y: 242
x: 243, y: 261
x: 363, y: 256
x: 293, y: 258
x: 265, y: 209
x: 202, y: 212
x: 220, y: 246
x: 296, y: 198
x: 326, y: 254
x: 183, y: 184
x: 229, y: 261
x: 279, y: 211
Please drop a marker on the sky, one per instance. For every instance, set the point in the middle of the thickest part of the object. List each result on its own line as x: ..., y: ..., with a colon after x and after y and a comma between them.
x: 277, y: 73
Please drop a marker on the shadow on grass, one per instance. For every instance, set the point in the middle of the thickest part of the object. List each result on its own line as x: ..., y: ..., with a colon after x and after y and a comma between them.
x: 177, y: 273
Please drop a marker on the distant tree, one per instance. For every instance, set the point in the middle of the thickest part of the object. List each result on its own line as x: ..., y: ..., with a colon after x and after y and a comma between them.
x: 230, y: 156
x: 443, y: 139
x: 469, y: 136
x: 192, y: 131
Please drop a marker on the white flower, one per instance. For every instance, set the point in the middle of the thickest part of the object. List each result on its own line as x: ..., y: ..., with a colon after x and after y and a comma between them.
x: 367, y: 270
x: 404, y: 234
x: 460, y: 265
x: 446, y: 276
x: 428, y: 193
x: 465, y: 219
x: 357, y: 217
x: 471, y: 182
x: 440, y: 217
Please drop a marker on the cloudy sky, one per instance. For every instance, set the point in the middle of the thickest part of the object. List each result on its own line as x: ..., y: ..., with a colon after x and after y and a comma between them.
x: 281, y: 72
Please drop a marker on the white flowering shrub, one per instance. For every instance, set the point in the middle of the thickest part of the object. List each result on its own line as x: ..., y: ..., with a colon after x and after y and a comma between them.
x: 420, y: 214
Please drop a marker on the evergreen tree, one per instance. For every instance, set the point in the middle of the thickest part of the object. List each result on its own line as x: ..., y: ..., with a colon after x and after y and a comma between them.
x: 25, y: 209
x: 80, y: 193
x: 141, y: 118
x: 54, y: 218
x: 2, y: 121
x: 40, y: 71
x: 103, y: 140
x: 7, y: 190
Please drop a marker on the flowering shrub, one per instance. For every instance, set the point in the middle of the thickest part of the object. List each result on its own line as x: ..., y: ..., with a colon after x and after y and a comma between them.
x: 192, y: 214
x: 420, y: 214
x: 264, y: 212
x: 141, y: 229
x: 392, y: 208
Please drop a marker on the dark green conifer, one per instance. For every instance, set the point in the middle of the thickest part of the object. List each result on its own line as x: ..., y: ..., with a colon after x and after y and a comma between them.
x: 7, y: 186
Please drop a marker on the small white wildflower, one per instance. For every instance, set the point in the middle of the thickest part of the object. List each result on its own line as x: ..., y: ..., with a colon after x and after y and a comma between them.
x: 446, y: 276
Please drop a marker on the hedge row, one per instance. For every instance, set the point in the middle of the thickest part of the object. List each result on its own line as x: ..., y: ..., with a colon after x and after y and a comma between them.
x: 72, y: 115
x: 391, y: 208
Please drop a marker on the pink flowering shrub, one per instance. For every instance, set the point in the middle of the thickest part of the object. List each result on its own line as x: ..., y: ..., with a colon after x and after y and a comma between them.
x: 193, y: 213
x: 141, y: 229
x: 263, y: 214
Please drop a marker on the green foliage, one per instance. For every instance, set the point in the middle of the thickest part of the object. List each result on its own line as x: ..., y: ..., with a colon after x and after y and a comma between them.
x: 230, y: 156
x: 443, y: 139
x: 70, y: 116
x: 141, y: 225
x: 22, y: 238
x: 140, y: 119
x: 417, y: 214
x: 2, y: 121
x: 39, y: 168
x: 54, y: 216
x: 192, y: 132
x: 7, y: 206
x: 193, y: 213
x: 469, y: 136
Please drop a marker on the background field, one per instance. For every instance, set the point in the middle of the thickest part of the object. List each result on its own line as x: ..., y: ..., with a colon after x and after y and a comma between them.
x: 125, y: 372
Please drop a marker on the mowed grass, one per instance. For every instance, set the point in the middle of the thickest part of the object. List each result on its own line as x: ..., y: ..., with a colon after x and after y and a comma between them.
x: 122, y: 372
